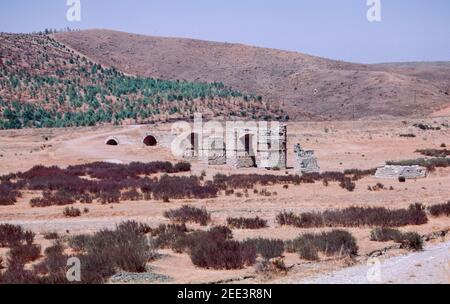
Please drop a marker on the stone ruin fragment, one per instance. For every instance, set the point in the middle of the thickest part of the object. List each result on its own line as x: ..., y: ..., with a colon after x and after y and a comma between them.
x: 394, y: 172
x: 306, y: 161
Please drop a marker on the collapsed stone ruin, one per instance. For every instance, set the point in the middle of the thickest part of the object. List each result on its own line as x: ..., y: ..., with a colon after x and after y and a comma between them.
x: 306, y: 161
x: 395, y: 172
x: 243, y: 148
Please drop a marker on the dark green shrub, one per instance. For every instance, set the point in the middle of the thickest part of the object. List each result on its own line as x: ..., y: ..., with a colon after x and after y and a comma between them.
x: 186, y: 242
x: 222, y: 254
x: 412, y: 241
x: 267, y: 248
x: 336, y: 242
x: 306, y: 249
x: 102, y: 253
x: 51, y: 235
x: 189, y: 214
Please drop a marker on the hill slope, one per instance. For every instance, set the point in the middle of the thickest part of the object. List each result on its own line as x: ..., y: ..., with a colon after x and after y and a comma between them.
x: 45, y: 84
x: 305, y: 86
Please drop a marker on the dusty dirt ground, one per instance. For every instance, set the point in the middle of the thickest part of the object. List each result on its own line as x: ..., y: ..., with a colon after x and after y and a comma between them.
x: 430, y: 266
x: 338, y: 146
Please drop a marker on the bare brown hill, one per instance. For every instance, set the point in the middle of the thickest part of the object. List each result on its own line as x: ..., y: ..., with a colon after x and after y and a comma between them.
x: 306, y: 87
x: 45, y: 84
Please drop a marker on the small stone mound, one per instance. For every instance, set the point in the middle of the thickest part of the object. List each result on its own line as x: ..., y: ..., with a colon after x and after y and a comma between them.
x: 137, y: 278
x: 395, y: 172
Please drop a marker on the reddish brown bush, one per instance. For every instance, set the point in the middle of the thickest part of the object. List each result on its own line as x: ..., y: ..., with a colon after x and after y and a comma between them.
x: 356, y: 217
x: 111, y: 196
x: 242, y: 181
x: 59, y: 198
x: 11, y: 235
x: 16, y: 274
x: 179, y: 187
x: 51, y: 235
x: 434, y: 152
x: 267, y: 248
x: 24, y: 253
x: 408, y: 135
x: 182, y: 167
x: 131, y: 195
x: 409, y: 240
x: 166, y: 236
x: 248, y: 181
x: 66, y: 186
x: 221, y: 232
x: 440, y: 209
x: 8, y: 195
x: 222, y: 254
x: 103, y: 170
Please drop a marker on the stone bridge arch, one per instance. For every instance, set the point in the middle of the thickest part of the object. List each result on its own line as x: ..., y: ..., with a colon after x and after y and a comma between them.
x: 112, y: 141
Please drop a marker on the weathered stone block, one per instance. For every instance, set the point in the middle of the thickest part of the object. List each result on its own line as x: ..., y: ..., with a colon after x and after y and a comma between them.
x: 306, y: 161
x: 394, y: 172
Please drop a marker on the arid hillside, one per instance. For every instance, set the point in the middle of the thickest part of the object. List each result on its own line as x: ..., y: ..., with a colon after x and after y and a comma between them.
x: 306, y: 87
x: 45, y: 84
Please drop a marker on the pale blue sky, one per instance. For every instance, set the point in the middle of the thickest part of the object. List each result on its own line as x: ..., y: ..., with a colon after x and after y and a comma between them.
x: 410, y: 30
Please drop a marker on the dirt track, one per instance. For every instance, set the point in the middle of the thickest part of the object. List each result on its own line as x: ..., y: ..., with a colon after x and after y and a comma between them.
x: 431, y: 266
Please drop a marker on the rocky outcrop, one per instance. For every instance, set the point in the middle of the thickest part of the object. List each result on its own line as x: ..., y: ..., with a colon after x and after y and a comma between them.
x: 394, y: 172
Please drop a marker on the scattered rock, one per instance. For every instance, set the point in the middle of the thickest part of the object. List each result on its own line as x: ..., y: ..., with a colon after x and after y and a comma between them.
x: 426, y: 127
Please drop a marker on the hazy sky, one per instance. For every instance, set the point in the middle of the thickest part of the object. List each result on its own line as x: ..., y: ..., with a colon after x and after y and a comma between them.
x: 410, y: 30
